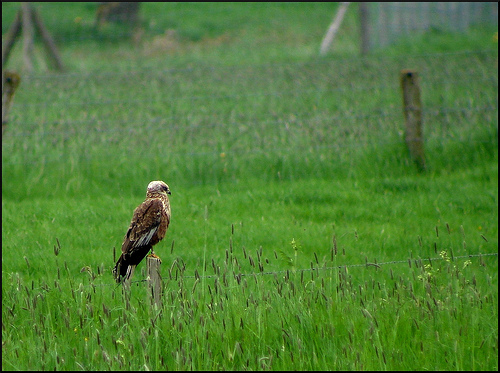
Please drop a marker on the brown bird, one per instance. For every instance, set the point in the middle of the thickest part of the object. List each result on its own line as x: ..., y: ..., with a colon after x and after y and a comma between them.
x: 148, y: 227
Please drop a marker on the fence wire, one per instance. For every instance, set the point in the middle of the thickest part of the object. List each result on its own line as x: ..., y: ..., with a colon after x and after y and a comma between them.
x: 320, y: 105
x: 418, y: 262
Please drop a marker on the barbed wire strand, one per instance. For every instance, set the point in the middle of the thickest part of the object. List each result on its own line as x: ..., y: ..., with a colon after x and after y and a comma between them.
x: 281, y: 93
x: 408, y: 261
x: 230, y: 68
x: 215, y: 120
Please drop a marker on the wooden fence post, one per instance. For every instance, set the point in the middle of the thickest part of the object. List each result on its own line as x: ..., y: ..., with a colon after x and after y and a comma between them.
x: 365, y: 28
x: 26, y: 19
x: 154, y: 279
x: 28, y: 36
x: 334, y: 27
x: 48, y: 41
x: 412, y: 108
x: 10, y: 37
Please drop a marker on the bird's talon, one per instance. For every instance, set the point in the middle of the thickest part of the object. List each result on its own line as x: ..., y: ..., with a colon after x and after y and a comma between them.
x: 153, y: 255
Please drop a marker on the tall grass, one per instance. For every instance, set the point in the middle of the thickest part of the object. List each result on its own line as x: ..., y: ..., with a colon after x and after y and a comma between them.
x: 212, y: 126
x: 436, y: 312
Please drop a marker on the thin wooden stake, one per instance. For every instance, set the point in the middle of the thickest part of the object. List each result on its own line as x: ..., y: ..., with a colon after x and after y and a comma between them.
x: 48, y: 41
x: 25, y: 21
x: 28, y: 36
x: 154, y: 279
x: 365, y: 29
x: 412, y: 108
x: 334, y: 27
x: 10, y: 37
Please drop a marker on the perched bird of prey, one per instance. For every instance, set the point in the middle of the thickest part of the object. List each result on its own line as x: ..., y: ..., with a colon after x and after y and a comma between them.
x: 148, y: 227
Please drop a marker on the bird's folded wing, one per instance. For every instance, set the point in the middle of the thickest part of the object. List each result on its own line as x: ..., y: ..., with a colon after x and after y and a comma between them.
x: 144, y: 225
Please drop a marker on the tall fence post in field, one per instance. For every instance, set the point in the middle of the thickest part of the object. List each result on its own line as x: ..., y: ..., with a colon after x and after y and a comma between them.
x: 28, y: 36
x: 154, y: 280
x: 412, y: 108
x: 365, y: 28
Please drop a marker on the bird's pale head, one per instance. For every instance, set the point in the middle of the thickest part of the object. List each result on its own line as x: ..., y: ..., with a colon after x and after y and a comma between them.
x: 158, y: 186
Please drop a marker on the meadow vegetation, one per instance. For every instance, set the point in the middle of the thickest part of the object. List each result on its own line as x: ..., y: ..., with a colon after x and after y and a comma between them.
x: 302, y: 236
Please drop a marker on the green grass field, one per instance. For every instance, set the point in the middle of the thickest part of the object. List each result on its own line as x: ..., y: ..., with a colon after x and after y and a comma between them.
x: 302, y: 236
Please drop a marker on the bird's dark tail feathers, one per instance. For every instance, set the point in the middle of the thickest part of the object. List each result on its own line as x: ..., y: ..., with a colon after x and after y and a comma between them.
x: 122, y: 270
x: 125, y: 266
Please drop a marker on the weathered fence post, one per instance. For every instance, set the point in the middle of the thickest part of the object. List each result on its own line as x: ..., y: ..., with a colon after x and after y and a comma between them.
x: 26, y: 19
x: 365, y: 28
x: 154, y: 279
x: 48, y: 41
x: 28, y: 36
x: 412, y: 108
x: 334, y: 27
x: 11, y: 36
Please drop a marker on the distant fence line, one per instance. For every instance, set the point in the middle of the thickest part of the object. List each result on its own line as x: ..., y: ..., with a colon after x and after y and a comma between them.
x: 305, y: 101
x: 383, y: 23
x: 341, y: 89
x: 86, y: 126
x: 80, y: 127
x: 148, y: 72
x: 126, y: 75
